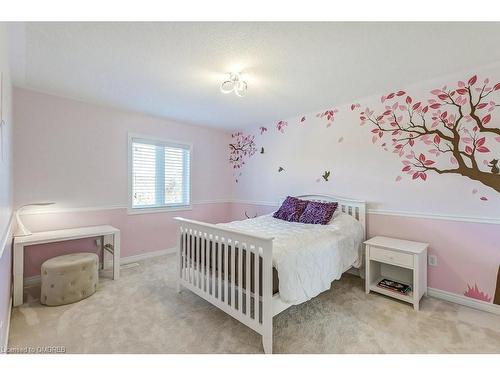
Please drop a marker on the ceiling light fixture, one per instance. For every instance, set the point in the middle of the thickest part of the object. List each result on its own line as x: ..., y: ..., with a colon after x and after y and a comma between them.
x: 234, y: 84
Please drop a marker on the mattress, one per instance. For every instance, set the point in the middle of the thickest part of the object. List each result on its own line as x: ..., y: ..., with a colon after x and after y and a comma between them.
x: 307, y: 257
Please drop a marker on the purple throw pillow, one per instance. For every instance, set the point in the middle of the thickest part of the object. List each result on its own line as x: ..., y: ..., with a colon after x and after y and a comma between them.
x: 318, y: 213
x: 291, y: 209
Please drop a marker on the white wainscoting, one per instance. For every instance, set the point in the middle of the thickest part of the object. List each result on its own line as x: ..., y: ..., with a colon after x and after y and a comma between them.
x: 6, y: 236
x: 4, y: 331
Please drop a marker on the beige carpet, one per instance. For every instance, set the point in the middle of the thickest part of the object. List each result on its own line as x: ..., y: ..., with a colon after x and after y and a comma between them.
x: 142, y: 313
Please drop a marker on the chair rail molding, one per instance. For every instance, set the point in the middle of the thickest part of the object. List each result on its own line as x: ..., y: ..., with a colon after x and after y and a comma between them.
x: 370, y: 211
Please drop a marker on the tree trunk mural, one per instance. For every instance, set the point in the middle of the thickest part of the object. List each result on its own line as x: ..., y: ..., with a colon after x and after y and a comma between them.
x: 496, y: 300
x: 453, y: 127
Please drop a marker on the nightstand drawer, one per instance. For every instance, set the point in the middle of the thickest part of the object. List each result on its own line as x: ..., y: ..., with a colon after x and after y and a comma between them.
x: 390, y: 256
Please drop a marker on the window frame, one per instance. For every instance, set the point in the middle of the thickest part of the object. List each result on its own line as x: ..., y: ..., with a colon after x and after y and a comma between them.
x: 163, y: 208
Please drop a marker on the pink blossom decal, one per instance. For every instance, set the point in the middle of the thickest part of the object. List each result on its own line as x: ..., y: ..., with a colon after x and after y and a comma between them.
x: 281, y: 125
x: 242, y: 148
x: 329, y: 116
x: 483, y: 198
x: 452, y: 132
x: 303, y: 119
x: 262, y: 129
x: 476, y: 293
x: 355, y: 106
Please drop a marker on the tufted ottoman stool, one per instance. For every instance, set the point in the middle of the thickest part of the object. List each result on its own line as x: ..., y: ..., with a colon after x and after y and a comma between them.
x: 69, y: 278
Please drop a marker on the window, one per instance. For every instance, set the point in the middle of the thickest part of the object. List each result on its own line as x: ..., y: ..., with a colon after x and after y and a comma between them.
x: 159, y: 174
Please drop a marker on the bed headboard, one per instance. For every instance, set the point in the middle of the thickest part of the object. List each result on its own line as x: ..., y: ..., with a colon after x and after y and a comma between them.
x: 352, y: 207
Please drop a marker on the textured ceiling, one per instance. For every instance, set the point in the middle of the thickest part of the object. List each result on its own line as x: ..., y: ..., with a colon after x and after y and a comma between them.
x: 173, y: 70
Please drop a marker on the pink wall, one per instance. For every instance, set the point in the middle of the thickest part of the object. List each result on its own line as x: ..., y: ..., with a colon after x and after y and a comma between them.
x: 75, y: 154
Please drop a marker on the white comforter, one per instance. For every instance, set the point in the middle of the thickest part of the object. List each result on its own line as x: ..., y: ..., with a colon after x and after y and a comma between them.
x: 308, y: 257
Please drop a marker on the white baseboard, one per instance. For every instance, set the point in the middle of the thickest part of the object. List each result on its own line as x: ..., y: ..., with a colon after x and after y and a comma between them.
x: 465, y: 301
x: 35, y: 280
x: 150, y: 254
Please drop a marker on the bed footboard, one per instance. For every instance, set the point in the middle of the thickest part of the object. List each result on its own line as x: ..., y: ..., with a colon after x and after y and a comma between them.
x: 230, y: 269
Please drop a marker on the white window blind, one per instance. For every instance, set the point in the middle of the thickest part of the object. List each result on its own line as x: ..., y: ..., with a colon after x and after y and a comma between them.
x: 160, y: 174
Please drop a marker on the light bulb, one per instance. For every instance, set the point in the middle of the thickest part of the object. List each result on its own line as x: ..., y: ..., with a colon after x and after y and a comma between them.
x: 227, y: 87
x: 241, y: 89
x: 235, y: 83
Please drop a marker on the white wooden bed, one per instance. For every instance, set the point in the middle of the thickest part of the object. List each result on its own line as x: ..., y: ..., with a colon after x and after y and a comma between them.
x: 204, y: 252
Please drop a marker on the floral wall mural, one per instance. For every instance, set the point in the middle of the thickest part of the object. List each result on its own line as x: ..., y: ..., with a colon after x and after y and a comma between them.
x: 281, y: 125
x: 328, y: 115
x: 450, y: 132
x: 241, y: 148
x: 432, y: 148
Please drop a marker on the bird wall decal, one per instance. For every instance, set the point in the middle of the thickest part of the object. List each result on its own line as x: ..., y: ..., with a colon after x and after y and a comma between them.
x: 326, y: 175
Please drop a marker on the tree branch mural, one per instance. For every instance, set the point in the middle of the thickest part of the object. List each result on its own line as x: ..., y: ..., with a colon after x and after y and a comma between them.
x: 242, y: 148
x: 452, y: 130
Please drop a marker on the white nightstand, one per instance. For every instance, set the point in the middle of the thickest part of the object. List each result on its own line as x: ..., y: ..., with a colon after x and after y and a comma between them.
x: 398, y: 260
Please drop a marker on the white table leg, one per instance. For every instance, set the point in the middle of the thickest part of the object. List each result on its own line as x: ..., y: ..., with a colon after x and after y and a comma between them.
x: 103, y: 251
x: 416, y: 288
x: 116, y: 256
x: 18, y: 274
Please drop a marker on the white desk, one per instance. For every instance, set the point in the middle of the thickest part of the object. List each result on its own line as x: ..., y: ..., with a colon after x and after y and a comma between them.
x: 110, y: 242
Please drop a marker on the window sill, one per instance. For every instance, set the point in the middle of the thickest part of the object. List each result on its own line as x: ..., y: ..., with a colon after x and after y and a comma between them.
x: 154, y: 210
